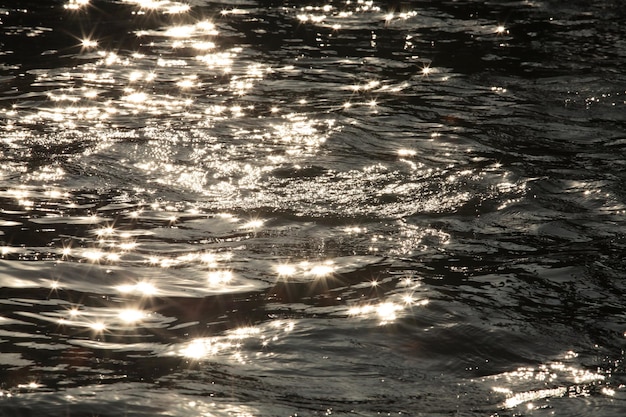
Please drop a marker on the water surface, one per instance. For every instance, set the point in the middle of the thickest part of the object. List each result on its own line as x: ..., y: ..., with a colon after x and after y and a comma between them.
x: 273, y: 208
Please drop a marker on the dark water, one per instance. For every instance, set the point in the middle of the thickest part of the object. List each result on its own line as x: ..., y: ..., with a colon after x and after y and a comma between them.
x: 273, y: 208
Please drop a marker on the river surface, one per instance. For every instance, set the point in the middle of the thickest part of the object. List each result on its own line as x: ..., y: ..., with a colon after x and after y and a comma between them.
x: 312, y: 208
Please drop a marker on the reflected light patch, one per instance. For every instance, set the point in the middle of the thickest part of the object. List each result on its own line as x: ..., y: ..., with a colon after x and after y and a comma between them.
x: 322, y: 270
x: 105, y: 231
x: 253, y: 224
x: 233, y: 12
x: 127, y: 246
x: 406, y: 152
x: 180, y: 31
x: 187, y: 83
x: 285, y: 270
x: 528, y: 396
x: 97, y: 326
x: 177, y: 9
x: 203, y: 347
x: 136, y: 98
x: 76, y: 4
x: 386, y: 312
x: 244, y: 332
x: 143, y: 288
x: 206, y: 26
x: 88, y: 43
x: 203, y: 46
x: 208, y: 258
x: 93, y: 255
x: 220, y: 277
x: 131, y: 315
x: 218, y: 59
x: 30, y: 385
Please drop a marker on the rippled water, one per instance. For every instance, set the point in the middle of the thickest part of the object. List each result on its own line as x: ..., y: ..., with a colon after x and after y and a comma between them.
x: 274, y: 208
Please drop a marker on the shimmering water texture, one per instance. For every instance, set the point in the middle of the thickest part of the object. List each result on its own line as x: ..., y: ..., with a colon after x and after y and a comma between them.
x: 273, y: 208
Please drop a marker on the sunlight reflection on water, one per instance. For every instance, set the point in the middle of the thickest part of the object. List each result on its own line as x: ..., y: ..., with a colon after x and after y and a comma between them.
x: 338, y: 208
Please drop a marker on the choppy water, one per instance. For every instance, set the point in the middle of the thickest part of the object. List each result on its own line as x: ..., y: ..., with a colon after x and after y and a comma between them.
x: 273, y: 208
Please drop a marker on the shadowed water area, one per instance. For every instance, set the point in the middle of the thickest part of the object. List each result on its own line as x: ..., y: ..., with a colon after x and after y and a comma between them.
x: 312, y: 208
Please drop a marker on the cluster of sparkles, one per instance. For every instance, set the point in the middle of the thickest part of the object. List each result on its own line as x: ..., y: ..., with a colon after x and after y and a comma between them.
x: 232, y: 343
x: 557, y: 380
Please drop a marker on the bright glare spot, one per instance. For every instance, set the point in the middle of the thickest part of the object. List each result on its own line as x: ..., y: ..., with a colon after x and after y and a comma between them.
x: 93, y: 255
x: 135, y: 75
x: 321, y: 270
x: 76, y: 4
x: 500, y: 29
x: 426, y: 70
x: 233, y: 11
x: 126, y: 246
x: 206, y: 26
x: 406, y: 152
x: 107, y: 231
x: 186, y: 83
x: 208, y: 258
x: 201, y: 348
x: 528, y: 396
x: 253, y: 224
x: 244, y: 332
x: 98, y: 326
x: 204, y: 46
x: 387, y: 311
x: 88, y: 43
x: 136, y: 97
x: 114, y: 257
x: 220, y: 277
x: 144, y: 288
x: 285, y: 270
x: 131, y: 315
x: 178, y: 8
x: 180, y: 31
x: 30, y: 385
x: 196, y: 349
x: 408, y: 299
